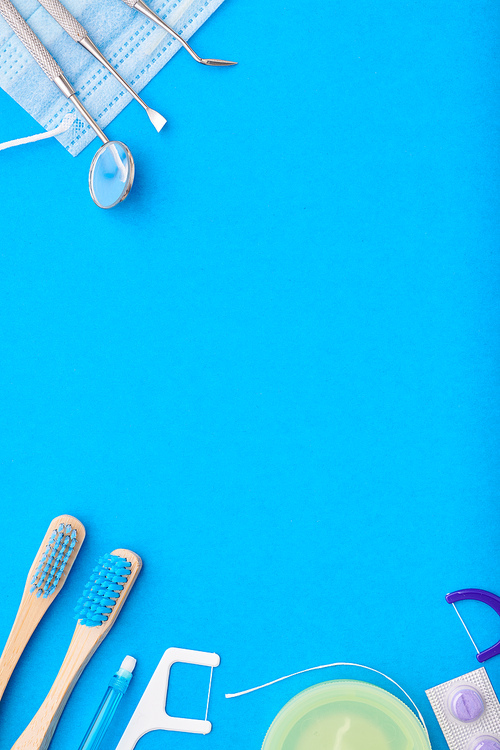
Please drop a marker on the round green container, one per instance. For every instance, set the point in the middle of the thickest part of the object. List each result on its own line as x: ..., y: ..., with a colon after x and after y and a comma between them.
x: 346, y: 715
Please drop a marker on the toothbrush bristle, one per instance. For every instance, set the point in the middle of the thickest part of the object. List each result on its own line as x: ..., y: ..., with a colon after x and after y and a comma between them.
x: 53, y: 561
x: 103, y: 590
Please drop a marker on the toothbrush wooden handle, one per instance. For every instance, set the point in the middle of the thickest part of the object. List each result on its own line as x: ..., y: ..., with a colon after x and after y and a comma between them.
x: 28, y: 616
x: 38, y: 733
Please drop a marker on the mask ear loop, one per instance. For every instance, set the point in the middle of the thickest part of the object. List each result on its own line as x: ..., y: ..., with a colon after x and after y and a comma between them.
x: 65, y: 125
x: 337, y: 664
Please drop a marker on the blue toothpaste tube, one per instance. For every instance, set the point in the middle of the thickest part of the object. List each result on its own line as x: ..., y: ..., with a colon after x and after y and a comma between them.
x: 116, y: 688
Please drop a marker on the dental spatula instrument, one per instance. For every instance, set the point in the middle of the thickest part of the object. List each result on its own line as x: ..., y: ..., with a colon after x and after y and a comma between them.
x: 141, y: 6
x: 79, y: 34
x: 112, y: 170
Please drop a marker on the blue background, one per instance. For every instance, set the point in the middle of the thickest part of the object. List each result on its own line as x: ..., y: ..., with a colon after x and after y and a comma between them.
x: 273, y: 371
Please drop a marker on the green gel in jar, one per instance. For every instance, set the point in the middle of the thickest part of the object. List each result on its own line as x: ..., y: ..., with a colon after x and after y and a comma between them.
x: 346, y: 714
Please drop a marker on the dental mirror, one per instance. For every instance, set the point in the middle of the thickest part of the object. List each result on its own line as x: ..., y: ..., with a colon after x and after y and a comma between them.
x: 111, y: 174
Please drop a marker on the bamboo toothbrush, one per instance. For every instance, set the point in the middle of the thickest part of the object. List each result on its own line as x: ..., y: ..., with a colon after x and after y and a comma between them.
x: 97, y: 610
x: 58, y: 551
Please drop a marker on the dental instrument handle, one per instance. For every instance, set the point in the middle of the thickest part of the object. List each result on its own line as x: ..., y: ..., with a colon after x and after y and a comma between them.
x: 79, y: 34
x: 81, y: 109
x: 45, y: 60
x: 65, y: 19
x: 30, y: 40
x: 91, y: 47
x: 116, y: 689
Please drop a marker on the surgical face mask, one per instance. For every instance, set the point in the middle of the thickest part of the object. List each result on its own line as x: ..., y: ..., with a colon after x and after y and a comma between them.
x: 468, y: 712
x: 134, y: 46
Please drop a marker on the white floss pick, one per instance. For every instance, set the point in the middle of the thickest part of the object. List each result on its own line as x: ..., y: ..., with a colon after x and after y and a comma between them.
x: 151, y: 713
x: 468, y: 711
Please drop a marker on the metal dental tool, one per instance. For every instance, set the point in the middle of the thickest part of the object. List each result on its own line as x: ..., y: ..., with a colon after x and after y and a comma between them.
x: 141, y: 6
x: 112, y: 170
x: 77, y: 32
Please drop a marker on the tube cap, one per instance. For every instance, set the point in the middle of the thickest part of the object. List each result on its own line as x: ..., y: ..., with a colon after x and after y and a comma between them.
x: 128, y: 663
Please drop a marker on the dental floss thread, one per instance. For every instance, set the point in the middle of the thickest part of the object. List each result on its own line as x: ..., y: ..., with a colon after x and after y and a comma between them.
x: 465, y: 626
x: 468, y: 711
x: 65, y: 125
x: 334, y: 664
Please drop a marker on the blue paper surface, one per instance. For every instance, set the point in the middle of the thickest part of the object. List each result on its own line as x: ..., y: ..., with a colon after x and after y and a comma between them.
x: 273, y: 371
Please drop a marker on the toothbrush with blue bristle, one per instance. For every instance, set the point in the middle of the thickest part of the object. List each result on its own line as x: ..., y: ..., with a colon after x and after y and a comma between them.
x: 47, y: 575
x: 96, y: 612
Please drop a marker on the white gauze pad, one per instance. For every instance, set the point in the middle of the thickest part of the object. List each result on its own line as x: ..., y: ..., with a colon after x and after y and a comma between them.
x: 468, y: 711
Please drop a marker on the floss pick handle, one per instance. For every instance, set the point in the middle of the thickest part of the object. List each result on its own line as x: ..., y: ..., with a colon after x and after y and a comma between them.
x: 486, y: 597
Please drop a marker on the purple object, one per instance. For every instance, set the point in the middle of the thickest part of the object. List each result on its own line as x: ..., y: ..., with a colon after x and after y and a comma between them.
x: 466, y: 704
x: 486, y: 743
x: 493, y: 601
